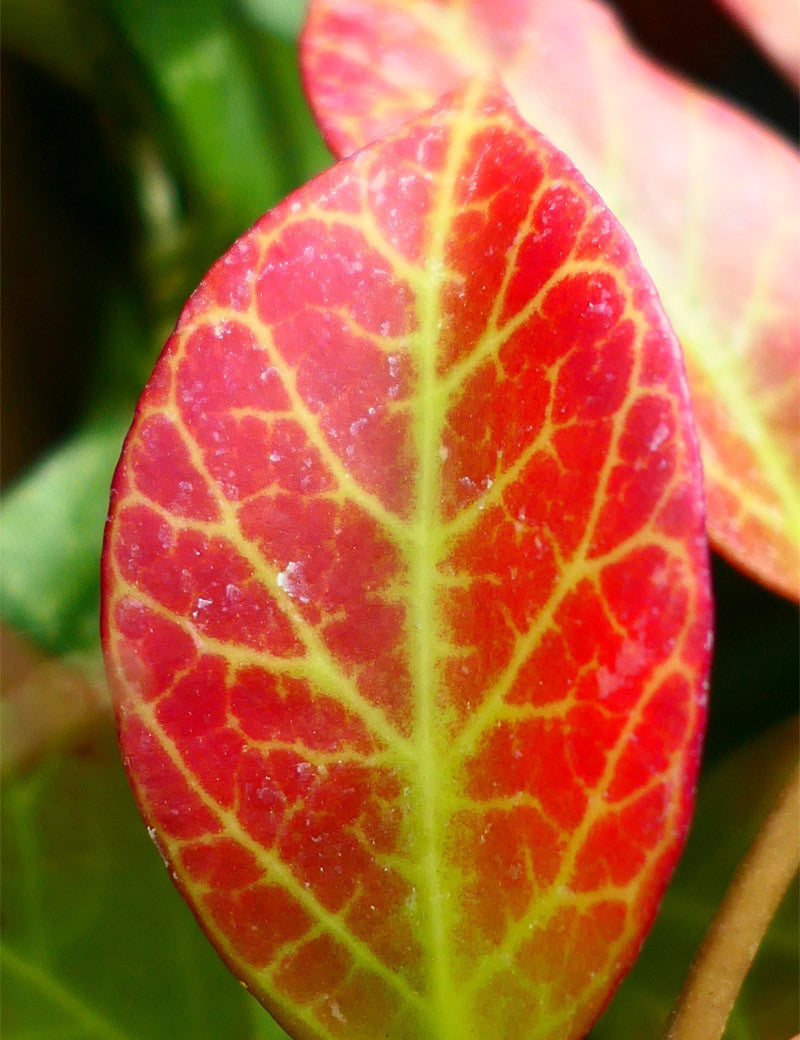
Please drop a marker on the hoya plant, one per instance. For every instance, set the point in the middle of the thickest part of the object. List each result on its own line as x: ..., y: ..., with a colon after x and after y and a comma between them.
x: 406, y: 593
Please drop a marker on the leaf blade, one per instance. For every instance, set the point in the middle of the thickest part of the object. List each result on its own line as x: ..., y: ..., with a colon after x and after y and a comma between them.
x: 50, y: 541
x: 116, y: 955
x: 390, y: 515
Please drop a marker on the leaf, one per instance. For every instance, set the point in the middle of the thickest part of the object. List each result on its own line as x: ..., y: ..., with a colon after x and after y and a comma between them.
x: 283, y: 17
x: 302, y: 141
x: 710, y: 198
x: 96, y: 943
x: 50, y: 538
x: 740, y: 790
x: 197, y: 67
x: 775, y: 26
x: 405, y: 594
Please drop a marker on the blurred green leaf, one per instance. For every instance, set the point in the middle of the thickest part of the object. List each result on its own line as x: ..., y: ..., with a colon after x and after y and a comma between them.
x: 123, y: 359
x: 51, y: 533
x: 734, y: 798
x: 196, y: 66
x: 284, y: 17
x: 97, y: 943
x: 306, y: 152
x: 207, y: 112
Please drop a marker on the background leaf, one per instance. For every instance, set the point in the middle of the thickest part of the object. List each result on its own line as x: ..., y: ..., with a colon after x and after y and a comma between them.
x: 217, y: 113
x: 710, y: 198
x: 96, y: 945
x: 283, y: 17
x: 44, y: 700
x: 50, y: 537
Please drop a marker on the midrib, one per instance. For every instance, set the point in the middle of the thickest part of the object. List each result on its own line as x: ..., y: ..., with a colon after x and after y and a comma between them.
x: 425, y: 629
x: 445, y: 1020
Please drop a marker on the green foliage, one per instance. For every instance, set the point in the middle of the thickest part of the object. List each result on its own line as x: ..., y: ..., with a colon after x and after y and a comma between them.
x: 50, y: 538
x: 97, y: 944
x: 195, y: 69
x: 205, y: 127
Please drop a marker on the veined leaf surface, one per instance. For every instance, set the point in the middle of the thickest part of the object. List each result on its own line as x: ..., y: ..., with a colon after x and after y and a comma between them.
x: 405, y: 594
x: 710, y: 198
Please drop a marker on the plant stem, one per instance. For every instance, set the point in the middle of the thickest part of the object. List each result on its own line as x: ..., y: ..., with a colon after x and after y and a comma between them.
x: 724, y: 957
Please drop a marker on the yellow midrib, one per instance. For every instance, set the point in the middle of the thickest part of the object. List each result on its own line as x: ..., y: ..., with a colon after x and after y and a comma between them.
x: 446, y: 1021
x: 423, y: 640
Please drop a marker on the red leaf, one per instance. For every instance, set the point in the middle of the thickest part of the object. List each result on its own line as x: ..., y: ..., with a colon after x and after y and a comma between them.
x: 428, y: 535
x: 710, y: 198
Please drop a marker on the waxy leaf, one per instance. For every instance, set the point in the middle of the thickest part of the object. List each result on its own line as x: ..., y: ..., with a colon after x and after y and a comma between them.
x: 711, y: 199
x: 405, y: 594
x: 50, y: 536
